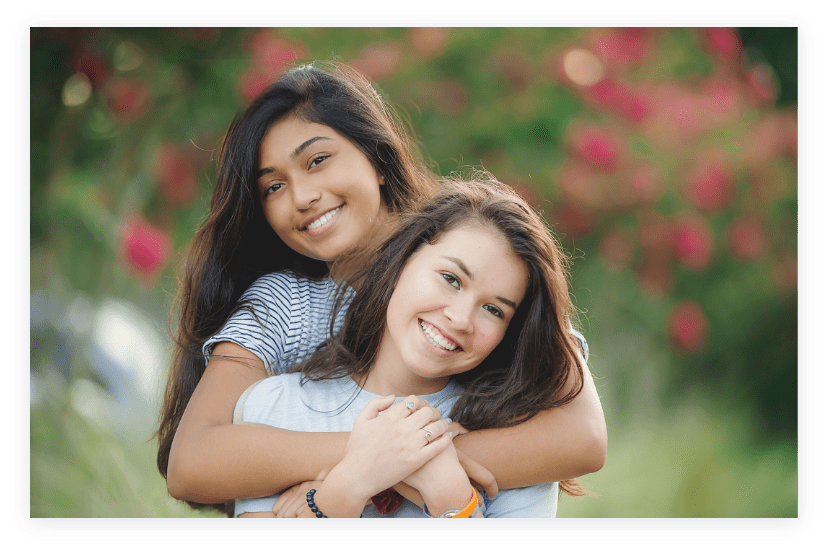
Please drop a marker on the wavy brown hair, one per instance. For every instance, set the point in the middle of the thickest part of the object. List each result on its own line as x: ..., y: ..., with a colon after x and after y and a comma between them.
x: 535, y: 367
x: 235, y: 245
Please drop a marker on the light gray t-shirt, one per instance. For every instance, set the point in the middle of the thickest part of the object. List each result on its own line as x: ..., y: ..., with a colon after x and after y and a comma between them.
x: 332, y: 406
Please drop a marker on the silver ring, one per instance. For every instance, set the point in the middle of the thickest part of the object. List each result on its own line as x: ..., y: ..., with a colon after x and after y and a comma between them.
x: 409, y: 405
x: 428, y: 435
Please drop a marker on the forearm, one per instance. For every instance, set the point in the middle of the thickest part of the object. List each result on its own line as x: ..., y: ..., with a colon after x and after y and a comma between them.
x: 219, y: 463
x: 557, y: 444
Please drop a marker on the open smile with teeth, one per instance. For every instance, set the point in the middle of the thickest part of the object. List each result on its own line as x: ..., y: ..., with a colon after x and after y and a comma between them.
x: 435, y: 338
x: 324, y: 219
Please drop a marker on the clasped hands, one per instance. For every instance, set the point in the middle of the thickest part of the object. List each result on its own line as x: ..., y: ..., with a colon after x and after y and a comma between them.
x: 407, y: 446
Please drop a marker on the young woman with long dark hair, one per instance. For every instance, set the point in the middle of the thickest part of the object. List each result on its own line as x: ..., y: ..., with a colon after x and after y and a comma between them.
x: 315, y: 165
x: 465, y: 307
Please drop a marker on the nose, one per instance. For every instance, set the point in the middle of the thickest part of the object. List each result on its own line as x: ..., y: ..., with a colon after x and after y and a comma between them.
x: 305, y: 194
x: 460, y: 313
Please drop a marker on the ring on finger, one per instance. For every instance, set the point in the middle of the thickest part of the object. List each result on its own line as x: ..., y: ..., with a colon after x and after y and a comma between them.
x: 409, y: 405
x: 428, y: 435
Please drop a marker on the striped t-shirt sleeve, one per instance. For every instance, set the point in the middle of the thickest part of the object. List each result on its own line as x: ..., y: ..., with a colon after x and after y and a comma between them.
x: 270, y: 325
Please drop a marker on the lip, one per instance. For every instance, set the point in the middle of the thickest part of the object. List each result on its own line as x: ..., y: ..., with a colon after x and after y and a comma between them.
x: 324, y: 227
x: 442, y: 333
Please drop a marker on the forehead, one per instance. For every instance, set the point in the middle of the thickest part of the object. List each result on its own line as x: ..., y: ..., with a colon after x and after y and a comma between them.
x: 486, y: 252
x: 287, y: 133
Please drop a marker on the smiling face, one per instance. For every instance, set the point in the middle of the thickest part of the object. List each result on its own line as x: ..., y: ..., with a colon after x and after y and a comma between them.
x: 450, y: 308
x: 319, y: 192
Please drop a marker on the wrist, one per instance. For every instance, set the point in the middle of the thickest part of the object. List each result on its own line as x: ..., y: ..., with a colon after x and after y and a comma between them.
x: 339, y: 496
x: 447, y: 494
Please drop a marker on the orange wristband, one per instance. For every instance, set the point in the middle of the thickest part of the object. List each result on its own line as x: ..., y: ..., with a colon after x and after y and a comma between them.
x: 466, y: 512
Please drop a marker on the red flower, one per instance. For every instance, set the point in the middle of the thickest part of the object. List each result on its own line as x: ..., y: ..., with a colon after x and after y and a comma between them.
x: 655, y: 276
x: 597, y: 146
x: 621, y: 99
x: 429, y: 42
x: 621, y: 46
x: 253, y: 82
x: 724, y: 43
x: 174, y: 171
x: 94, y: 65
x: 693, y: 243
x: 145, y: 248
x: 128, y: 98
x: 275, y: 53
x: 646, y: 183
x: 760, y: 85
x: 451, y: 97
x: 515, y: 66
x: 379, y: 60
x: 723, y: 99
x: 688, y: 327
x: 655, y: 233
x: 617, y: 248
x: 746, y: 238
x: 711, y: 186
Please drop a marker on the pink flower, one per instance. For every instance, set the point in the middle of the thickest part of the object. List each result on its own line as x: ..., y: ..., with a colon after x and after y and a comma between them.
x: 253, y: 82
x: 655, y: 276
x: 275, y: 53
x: 693, y: 242
x: 175, y: 172
x: 784, y: 272
x: 128, y: 98
x: 378, y: 61
x: 723, y: 99
x: 516, y: 67
x: 429, y: 42
x: 621, y: 46
x: 617, y: 248
x: 145, y: 248
x: 646, y: 183
x: 760, y: 85
x: 596, y: 146
x: 571, y: 219
x: 656, y: 233
x: 711, y: 186
x: 724, y: 43
x: 451, y: 97
x: 621, y: 99
x: 688, y: 327
x: 746, y: 238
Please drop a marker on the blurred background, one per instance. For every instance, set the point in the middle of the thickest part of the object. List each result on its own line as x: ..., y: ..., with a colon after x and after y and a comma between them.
x: 665, y: 160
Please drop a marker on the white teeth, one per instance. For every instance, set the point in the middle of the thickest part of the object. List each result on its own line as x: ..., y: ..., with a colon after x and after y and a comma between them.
x: 323, y: 219
x: 435, y: 338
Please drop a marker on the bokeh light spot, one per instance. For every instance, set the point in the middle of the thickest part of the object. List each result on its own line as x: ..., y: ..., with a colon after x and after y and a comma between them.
x: 582, y: 67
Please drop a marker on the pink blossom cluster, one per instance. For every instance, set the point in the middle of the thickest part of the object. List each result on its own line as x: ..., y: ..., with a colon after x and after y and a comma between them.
x: 653, y: 141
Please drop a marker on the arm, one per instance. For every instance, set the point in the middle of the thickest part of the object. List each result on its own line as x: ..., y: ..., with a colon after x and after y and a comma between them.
x: 213, y: 461
x: 557, y: 444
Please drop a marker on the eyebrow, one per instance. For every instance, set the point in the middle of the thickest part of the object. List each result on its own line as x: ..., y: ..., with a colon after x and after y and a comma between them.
x: 465, y: 270
x: 296, y: 152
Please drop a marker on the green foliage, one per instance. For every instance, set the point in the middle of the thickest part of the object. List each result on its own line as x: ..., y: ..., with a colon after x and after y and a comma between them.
x: 669, y: 176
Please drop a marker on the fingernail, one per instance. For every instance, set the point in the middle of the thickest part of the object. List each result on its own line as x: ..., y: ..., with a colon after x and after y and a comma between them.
x: 390, y: 396
x: 448, y: 419
x: 451, y: 435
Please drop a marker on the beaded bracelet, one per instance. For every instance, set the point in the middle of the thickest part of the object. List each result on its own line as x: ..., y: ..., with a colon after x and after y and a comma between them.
x: 471, y: 509
x: 313, y: 506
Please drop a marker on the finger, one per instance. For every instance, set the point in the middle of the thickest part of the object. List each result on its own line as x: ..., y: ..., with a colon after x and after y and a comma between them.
x: 283, y: 502
x: 480, y: 477
x: 435, y: 448
x: 374, y: 407
x: 407, y: 406
x: 423, y: 417
x: 435, y: 430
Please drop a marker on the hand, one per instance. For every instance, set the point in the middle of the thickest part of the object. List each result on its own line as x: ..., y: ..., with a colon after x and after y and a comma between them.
x: 442, y: 482
x: 292, y: 502
x: 388, y: 443
x: 479, y: 475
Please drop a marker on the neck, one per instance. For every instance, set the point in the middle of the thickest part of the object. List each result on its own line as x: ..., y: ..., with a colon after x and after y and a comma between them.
x: 390, y: 375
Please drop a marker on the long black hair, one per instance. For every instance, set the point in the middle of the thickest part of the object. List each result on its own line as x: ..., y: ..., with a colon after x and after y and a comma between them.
x: 235, y: 245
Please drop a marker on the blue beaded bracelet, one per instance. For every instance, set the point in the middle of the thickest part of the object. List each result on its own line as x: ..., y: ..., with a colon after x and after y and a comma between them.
x: 313, y: 506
